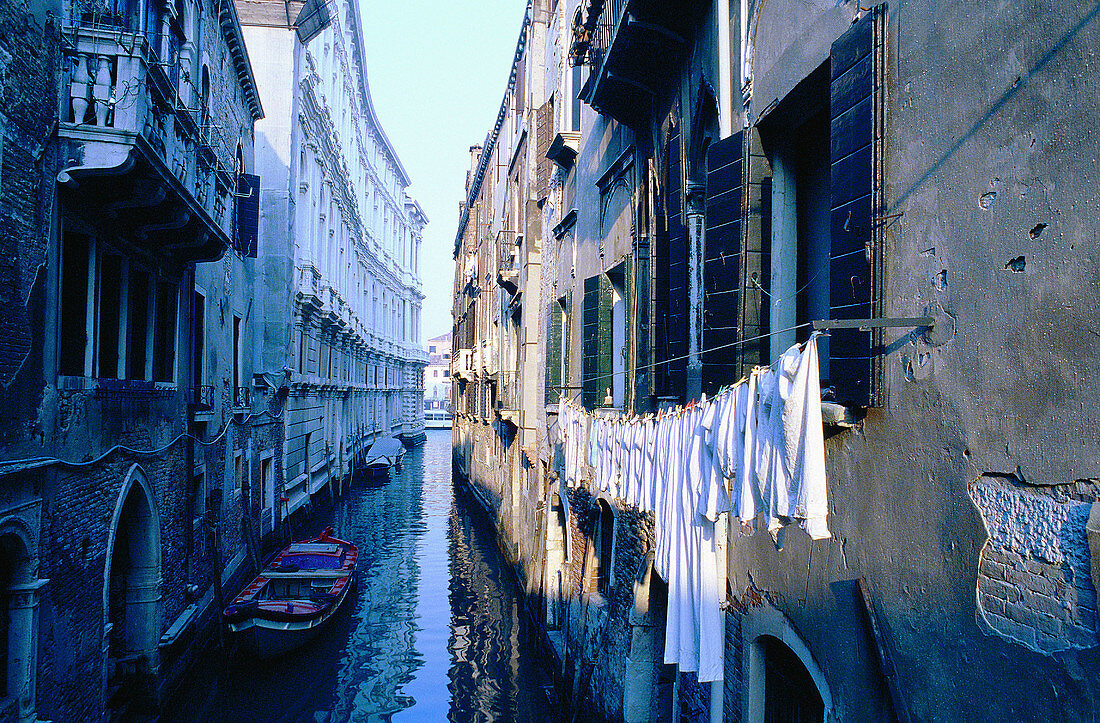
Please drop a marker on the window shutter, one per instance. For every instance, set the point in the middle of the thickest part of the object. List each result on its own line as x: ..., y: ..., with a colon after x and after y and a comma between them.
x: 857, y: 110
x: 590, y: 343
x: 756, y: 219
x: 671, y: 273
x: 553, y: 354
x: 248, y: 213
x: 566, y: 346
x: 604, y: 362
x: 722, y: 261
x: 545, y: 133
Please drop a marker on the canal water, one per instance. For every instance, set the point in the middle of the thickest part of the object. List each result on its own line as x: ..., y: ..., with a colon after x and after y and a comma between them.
x: 436, y: 631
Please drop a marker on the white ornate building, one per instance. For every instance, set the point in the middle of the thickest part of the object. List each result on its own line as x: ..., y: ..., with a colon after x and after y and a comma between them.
x: 340, y: 248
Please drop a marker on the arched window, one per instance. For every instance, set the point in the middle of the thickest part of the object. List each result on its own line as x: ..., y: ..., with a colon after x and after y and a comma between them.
x: 784, y: 681
x: 789, y: 692
x: 603, y: 550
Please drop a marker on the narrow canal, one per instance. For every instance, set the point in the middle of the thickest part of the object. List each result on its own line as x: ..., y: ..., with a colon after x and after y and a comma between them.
x: 436, y: 631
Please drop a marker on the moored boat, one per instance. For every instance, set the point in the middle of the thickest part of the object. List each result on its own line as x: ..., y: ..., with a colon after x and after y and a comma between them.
x: 385, y: 453
x: 298, y: 591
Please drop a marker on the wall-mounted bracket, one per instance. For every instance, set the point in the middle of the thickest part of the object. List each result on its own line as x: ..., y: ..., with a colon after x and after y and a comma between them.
x: 866, y: 324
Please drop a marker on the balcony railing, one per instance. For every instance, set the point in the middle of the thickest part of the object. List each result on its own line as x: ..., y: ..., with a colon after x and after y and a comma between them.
x: 133, y: 120
x: 507, y: 397
x: 508, y: 259
x: 242, y: 397
x: 633, y: 48
x: 129, y: 394
x: 202, y: 398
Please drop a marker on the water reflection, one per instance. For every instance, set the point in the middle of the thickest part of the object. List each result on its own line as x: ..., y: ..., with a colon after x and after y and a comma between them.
x: 435, y: 631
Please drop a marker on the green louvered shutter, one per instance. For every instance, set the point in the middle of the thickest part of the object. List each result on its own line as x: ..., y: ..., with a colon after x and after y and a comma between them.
x: 553, y: 354
x: 604, y: 364
x: 857, y: 111
x: 566, y: 304
x: 590, y: 349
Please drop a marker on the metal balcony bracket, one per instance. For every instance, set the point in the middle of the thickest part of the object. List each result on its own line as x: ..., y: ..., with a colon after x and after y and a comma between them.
x: 866, y: 324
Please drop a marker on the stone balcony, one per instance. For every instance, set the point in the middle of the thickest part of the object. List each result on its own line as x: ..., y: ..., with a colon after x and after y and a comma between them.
x: 139, y: 160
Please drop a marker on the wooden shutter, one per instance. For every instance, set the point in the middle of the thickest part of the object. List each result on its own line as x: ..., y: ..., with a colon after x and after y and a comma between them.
x: 248, y: 213
x: 756, y: 220
x: 671, y: 273
x: 722, y: 261
x: 554, y: 354
x: 857, y: 102
x: 596, y: 370
x: 545, y: 133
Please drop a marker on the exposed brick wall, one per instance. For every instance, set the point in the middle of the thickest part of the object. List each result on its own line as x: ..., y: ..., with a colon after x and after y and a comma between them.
x: 1034, y: 574
x: 29, y: 61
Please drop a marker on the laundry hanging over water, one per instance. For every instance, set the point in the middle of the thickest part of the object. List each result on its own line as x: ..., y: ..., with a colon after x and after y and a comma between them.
x: 755, y: 449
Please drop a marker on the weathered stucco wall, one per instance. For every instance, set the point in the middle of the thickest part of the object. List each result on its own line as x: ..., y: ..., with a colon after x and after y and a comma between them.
x: 963, y: 500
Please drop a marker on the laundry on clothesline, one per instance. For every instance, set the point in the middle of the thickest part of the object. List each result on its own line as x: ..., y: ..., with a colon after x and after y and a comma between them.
x: 756, y: 448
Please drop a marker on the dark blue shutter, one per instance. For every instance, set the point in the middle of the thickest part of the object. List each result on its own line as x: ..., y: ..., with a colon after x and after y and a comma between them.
x: 671, y: 274
x: 856, y: 103
x: 590, y: 350
x: 248, y: 213
x: 722, y: 261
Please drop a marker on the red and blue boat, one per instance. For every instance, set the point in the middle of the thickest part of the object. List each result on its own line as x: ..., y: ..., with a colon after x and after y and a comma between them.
x: 298, y: 591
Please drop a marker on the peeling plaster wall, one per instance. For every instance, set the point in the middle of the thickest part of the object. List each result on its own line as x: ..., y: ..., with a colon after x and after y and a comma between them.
x: 992, y: 140
x: 1035, y: 574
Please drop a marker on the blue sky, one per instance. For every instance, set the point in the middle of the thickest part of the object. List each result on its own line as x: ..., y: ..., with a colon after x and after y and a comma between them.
x: 437, y: 72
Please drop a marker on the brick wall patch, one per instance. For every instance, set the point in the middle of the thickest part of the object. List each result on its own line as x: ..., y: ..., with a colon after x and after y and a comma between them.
x: 1034, y: 573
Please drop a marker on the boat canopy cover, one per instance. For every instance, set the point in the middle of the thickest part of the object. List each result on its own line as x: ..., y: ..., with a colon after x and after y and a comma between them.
x: 386, y: 449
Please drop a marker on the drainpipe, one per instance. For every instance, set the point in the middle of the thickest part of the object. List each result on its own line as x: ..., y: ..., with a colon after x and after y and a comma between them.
x: 189, y: 462
x: 696, y: 199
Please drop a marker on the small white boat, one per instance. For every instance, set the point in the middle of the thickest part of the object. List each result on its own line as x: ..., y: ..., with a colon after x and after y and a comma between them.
x: 294, y: 596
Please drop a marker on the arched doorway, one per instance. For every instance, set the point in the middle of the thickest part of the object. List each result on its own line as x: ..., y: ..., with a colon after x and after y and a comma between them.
x: 19, y: 586
x: 131, y: 595
x: 784, y: 682
x: 790, y: 695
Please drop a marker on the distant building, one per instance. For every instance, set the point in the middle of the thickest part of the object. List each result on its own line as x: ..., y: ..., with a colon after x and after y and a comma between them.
x: 437, y: 375
x: 342, y: 237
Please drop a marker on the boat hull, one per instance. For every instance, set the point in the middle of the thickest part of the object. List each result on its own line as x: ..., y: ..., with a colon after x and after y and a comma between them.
x: 268, y: 639
x: 294, y: 596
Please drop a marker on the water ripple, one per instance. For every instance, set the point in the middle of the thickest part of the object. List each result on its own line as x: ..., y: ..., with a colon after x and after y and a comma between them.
x: 434, y: 632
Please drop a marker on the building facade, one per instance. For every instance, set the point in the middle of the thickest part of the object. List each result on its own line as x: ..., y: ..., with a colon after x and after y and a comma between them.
x: 339, y: 231
x: 128, y: 450
x: 437, y: 375
x: 724, y: 175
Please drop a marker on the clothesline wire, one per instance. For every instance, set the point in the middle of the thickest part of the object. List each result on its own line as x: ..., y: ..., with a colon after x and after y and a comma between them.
x: 796, y: 327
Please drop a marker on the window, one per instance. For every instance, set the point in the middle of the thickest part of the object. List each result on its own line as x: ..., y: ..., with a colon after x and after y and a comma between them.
x: 605, y: 347
x: 238, y: 353
x: 813, y: 251
x: 446, y: 372
x: 238, y: 471
x: 557, y: 351
x: 267, y: 492
x: 198, y: 497
x: 110, y: 317
x: 602, y: 551
x: 117, y: 320
x: 164, y: 333
x: 198, y: 364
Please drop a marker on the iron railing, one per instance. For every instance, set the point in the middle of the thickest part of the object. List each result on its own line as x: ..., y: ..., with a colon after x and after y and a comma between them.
x: 202, y: 398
